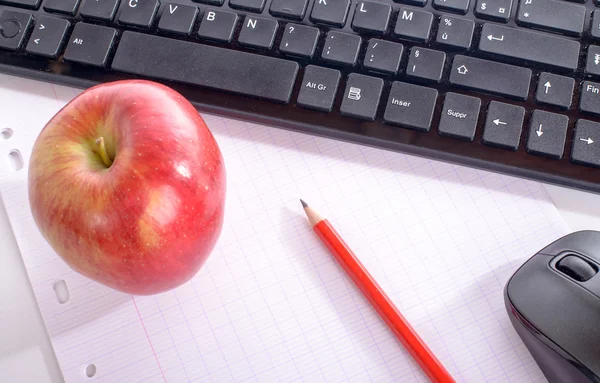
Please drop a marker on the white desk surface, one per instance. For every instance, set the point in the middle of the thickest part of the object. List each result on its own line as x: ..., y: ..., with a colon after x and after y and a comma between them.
x: 26, y: 353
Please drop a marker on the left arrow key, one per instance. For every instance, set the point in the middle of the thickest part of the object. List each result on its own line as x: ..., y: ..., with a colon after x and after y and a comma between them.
x: 47, y: 37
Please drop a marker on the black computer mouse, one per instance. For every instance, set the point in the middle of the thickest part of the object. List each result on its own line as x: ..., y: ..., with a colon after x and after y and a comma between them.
x: 553, y: 301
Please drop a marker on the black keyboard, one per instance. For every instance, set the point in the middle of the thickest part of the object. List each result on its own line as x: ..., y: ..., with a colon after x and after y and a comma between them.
x: 511, y: 86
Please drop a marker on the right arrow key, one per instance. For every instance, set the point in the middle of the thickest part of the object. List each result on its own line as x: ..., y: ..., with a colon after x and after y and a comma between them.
x: 586, y: 143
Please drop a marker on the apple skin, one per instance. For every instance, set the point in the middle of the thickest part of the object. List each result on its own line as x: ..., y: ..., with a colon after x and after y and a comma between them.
x: 147, y: 223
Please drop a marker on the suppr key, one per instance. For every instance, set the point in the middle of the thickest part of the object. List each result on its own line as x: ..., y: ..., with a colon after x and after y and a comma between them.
x: 456, y: 114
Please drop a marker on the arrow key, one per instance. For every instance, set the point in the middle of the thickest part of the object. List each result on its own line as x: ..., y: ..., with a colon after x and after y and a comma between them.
x: 555, y: 90
x: 547, y: 134
x: 47, y: 37
x: 586, y: 144
x: 592, y: 66
x: 503, y: 125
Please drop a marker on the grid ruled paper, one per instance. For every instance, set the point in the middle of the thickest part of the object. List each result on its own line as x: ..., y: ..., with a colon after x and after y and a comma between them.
x: 271, y: 304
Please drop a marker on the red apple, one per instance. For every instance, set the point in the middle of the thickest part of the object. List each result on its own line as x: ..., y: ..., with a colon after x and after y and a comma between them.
x: 127, y: 185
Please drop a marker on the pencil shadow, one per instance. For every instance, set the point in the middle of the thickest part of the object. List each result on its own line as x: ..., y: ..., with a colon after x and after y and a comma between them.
x: 368, y: 157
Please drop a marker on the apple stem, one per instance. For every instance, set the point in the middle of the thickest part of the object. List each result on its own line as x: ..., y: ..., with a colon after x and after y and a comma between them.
x: 101, y: 150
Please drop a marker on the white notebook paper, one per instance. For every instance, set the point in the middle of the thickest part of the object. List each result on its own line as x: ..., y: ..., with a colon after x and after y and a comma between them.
x: 271, y: 304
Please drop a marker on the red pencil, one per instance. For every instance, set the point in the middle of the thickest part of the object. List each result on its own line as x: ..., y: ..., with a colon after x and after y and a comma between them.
x: 380, y: 301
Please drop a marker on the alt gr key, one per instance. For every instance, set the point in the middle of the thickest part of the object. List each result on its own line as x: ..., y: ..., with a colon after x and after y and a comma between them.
x: 319, y: 86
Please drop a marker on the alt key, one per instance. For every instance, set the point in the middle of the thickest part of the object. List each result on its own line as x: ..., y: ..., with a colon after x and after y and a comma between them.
x: 319, y: 86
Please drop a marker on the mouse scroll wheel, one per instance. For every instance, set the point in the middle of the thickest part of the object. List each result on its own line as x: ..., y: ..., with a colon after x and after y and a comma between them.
x: 577, y: 268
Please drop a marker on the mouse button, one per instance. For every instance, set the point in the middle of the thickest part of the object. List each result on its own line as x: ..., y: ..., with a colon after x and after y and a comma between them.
x: 558, y: 309
x: 577, y: 268
x: 585, y: 242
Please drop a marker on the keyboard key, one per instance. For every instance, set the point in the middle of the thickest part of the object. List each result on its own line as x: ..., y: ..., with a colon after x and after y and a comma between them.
x: 361, y: 98
x: 497, y: 10
x: 138, y: 13
x: 299, y: 40
x: 258, y: 32
x: 67, y: 7
x: 459, y: 6
x: 547, y: 134
x: 9, y: 27
x: 592, y: 65
x: 459, y: 116
x: 332, y: 12
x: 413, y: 24
x: 595, y: 25
x: 99, y: 9
x: 211, y: 2
x: 341, y: 48
x: 371, y: 17
x: 490, y: 76
x: 552, y: 15
x: 410, y: 106
x: 291, y: 9
x: 33, y: 4
x: 207, y: 66
x: 178, y: 18
x: 47, y: 37
x: 555, y: 90
x: 248, y: 5
x: 530, y: 46
x: 455, y: 32
x: 426, y: 64
x: 13, y: 28
x: 90, y: 44
x: 586, y: 143
x: 383, y: 56
x: 217, y: 25
x: 503, y: 125
x: 420, y: 3
x: 590, y: 97
x: 319, y: 87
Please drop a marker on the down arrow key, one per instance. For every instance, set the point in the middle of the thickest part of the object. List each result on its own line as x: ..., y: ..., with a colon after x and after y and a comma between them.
x: 547, y: 134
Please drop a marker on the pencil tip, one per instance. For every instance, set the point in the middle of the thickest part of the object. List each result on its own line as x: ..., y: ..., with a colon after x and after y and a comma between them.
x: 304, y: 204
